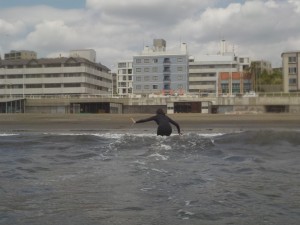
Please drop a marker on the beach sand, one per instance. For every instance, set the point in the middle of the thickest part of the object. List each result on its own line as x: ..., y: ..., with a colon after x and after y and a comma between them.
x: 122, y: 123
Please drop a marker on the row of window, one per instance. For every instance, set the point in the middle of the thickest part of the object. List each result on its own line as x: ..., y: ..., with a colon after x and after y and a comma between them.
x: 155, y: 87
x: 155, y: 69
x: 20, y: 76
x: 197, y: 75
x: 55, y: 75
x: 154, y: 78
x: 155, y: 60
x: 124, y: 78
x: 125, y: 71
x: 20, y: 86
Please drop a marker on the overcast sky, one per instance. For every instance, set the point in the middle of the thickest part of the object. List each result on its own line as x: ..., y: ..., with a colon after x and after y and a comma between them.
x: 118, y: 29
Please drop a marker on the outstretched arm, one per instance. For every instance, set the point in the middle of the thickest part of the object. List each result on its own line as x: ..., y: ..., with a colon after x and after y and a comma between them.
x: 145, y: 120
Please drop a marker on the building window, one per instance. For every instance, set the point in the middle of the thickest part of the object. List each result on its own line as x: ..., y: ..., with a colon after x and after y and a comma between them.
x: 129, y: 71
x: 146, y: 70
x: 121, y: 65
x: 72, y: 85
x: 292, y: 59
x: 33, y: 85
x: 179, y: 60
x: 155, y: 60
x: 155, y: 78
x: 292, y: 81
x: 138, y: 87
x: 292, y: 70
x: 146, y: 60
x: 146, y: 87
x: 138, y: 79
x: 154, y: 69
x: 236, y: 88
x: 146, y: 78
x: 138, y: 61
x: 48, y: 75
x: 179, y: 69
x: 180, y: 77
x: 129, y: 77
x: 138, y: 70
x: 52, y: 85
x: 155, y: 87
x: 124, y: 77
x: 225, y: 88
x: 33, y: 75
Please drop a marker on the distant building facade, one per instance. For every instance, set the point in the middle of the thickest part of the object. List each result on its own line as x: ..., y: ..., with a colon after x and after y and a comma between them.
x: 205, y: 72
x: 234, y: 83
x: 124, y: 77
x: 53, y: 76
x: 22, y: 54
x: 159, y: 71
x: 291, y: 71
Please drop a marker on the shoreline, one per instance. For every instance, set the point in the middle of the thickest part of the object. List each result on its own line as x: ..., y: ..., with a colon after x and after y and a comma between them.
x: 188, y: 122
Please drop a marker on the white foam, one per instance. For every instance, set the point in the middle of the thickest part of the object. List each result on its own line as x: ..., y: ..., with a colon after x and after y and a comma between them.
x: 159, y: 156
x: 5, y: 135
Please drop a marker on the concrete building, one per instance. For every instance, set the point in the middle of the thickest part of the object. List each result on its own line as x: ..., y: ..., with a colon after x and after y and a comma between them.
x: 124, y: 78
x: 53, y: 76
x: 89, y: 54
x: 291, y: 71
x: 22, y: 54
x: 158, y: 71
x: 204, y: 71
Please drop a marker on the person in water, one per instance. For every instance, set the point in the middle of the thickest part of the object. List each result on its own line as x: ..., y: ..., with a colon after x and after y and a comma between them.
x: 163, y: 121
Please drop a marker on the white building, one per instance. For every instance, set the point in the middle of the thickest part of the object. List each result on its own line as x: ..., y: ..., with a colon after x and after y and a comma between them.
x: 53, y: 76
x: 204, y: 70
x: 124, y: 77
x: 291, y: 71
x: 159, y: 71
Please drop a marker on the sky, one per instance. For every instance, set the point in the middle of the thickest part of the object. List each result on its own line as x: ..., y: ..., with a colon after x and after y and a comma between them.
x: 119, y: 29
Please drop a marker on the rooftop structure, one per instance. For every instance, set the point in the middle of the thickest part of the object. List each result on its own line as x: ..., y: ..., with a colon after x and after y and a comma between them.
x: 22, y: 54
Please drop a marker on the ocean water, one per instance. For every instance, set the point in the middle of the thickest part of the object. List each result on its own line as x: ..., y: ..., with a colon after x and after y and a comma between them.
x: 249, y: 177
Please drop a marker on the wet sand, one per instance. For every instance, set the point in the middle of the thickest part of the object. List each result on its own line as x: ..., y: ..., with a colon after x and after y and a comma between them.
x: 122, y: 123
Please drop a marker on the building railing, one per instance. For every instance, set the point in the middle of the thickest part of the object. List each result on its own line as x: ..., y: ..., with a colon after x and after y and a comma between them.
x: 187, y: 95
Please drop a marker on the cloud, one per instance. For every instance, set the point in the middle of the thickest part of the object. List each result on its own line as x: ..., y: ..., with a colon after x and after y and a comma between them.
x: 119, y: 29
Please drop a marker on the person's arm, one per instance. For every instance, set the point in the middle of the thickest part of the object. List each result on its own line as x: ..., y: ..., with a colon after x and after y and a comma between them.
x: 175, y: 124
x: 144, y: 120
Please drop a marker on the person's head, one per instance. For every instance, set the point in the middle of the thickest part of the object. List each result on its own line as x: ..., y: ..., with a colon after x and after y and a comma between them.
x: 160, y: 111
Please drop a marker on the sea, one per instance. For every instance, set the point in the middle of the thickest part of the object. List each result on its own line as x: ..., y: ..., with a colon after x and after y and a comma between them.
x: 89, y: 178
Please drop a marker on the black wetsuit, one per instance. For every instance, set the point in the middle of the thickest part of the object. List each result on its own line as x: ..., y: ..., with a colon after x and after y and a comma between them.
x: 163, y: 122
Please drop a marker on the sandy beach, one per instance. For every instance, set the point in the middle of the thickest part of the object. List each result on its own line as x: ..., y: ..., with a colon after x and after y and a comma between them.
x: 121, y: 122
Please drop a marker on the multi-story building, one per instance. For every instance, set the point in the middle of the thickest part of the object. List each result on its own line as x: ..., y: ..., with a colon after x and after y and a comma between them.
x: 159, y: 71
x: 291, y: 71
x: 204, y: 72
x: 124, y: 77
x: 53, y: 76
x: 23, y: 54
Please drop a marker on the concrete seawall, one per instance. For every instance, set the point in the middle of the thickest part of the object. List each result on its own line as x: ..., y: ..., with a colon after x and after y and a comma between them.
x: 119, y: 105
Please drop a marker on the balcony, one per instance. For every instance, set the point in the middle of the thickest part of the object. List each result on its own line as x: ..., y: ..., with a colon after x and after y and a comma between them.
x: 167, y: 61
